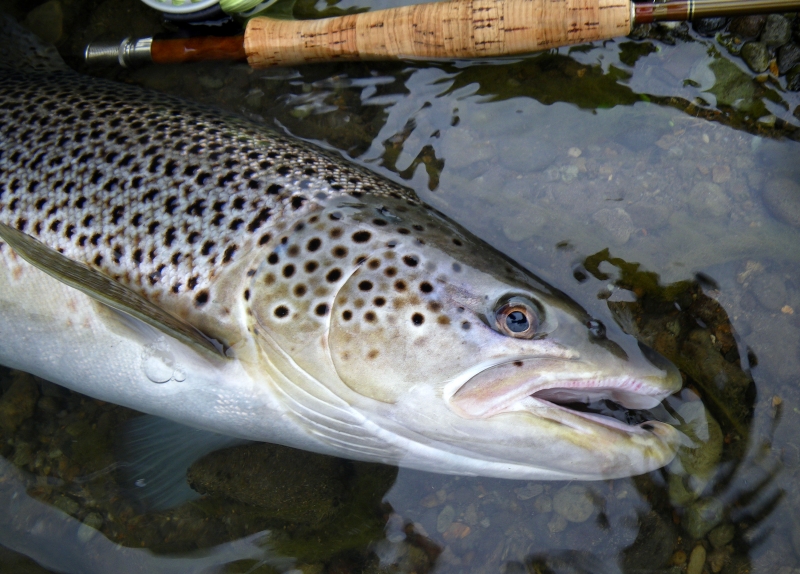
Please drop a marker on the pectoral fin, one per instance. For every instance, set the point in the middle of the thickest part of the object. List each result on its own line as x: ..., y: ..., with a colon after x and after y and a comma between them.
x: 103, y: 289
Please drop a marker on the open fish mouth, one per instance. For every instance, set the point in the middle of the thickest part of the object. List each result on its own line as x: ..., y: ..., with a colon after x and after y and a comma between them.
x: 546, y: 388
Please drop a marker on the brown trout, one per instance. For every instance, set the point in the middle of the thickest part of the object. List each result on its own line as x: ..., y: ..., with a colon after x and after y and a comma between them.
x: 200, y: 267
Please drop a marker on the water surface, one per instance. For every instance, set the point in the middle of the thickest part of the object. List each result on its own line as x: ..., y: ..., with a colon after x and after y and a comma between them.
x: 648, y: 181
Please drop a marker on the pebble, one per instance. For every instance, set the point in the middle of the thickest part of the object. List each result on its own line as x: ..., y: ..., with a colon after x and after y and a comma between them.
x: 557, y: 524
x: 777, y: 31
x: 721, y: 535
x: 788, y: 57
x: 756, y: 56
x: 617, y: 223
x: 66, y: 504
x: 702, y: 516
x: 18, y: 402
x: 747, y: 26
x: 456, y: 531
x: 770, y: 290
x: 697, y: 560
x: 543, y: 504
x: 445, y: 519
x: 782, y: 197
x: 793, y: 83
x: 573, y: 502
x: 707, y: 198
x: 708, y: 26
x: 529, y: 491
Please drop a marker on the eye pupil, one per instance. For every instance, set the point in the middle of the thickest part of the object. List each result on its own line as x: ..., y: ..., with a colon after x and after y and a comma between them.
x: 517, y: 322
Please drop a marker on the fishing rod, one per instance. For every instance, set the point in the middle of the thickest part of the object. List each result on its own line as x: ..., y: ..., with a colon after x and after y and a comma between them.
x: 440, y: 30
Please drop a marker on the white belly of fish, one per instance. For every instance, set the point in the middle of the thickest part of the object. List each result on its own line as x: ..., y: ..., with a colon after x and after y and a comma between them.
x: 58, y: 333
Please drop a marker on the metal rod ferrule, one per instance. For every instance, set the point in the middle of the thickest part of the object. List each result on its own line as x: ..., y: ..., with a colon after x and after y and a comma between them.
x: 128, y: 53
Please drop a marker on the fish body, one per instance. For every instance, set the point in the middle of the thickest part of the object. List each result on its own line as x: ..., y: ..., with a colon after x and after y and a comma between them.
x: 199, y: 267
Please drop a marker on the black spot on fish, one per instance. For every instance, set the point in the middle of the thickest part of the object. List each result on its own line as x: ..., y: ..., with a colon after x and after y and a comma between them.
x: 410, y: 260
x: 425, y: 287
x: 311, y: 266
x: 228, y: 253
x: 418, y: 319
x: 313, y: 244
x: 370, y: 316
x: 288, y: 271
x: 321, y: 309
x: 260, y: 219
x: 361, y: 236
x: 273, y: 258
x: 365, y: 285
x: 333, y: 275
x: 379, y: 301
x: 339, y: 251
x: 400, y: 285
x: 300, y: 290
x: 201, y: 298
x: 347, y: 315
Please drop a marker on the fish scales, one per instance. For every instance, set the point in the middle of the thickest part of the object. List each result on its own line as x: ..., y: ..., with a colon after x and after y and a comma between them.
x: 157, y: 193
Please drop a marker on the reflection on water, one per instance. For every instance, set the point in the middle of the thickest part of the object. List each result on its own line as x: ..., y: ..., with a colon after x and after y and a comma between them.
x: 655, y: 184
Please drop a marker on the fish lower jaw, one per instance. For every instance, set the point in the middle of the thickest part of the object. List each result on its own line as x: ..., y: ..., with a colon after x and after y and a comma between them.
x: 583, y: 420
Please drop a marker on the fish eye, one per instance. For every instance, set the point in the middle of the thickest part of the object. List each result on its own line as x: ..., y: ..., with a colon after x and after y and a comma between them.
x: 596, y: 329
x: 517, y: 318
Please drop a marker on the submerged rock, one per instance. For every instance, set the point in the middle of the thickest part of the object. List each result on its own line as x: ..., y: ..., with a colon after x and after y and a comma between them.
x: 756, y: 56
x: 574, y: 502
x: 777, y: 31
x: 782, y: 197
x: 788, y: 57
x: 748, y: 26
x: 292, y: 485
x: 18, y: 402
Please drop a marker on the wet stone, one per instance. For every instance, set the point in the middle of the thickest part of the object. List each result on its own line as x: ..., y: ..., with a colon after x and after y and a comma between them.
x: 617, y: 223
x: 291, y: 484
x: 770, y: 290
x: 573, y: 502
x: 18, y: 402
x: 529, y: 491
x: 445, y: 519
x: 557, y: 524
x: 747, y: 26
x: 782, y: 197
x: 697, y: 560
x: 543, y: 504
x: 702, y: 516
x: 777, y: 31
x: 709, y: 26
x: 756, y: 56
x: 66, y: 504
x: 788, y: 57
x: 793, y: 84
x: 721, y: 535
x: 707, y: 198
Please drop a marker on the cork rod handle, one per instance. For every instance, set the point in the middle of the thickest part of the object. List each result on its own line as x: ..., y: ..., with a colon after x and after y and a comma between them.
x: 453, y: 29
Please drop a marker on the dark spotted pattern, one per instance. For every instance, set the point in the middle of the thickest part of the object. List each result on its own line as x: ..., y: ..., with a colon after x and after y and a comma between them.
x: 155, y: 192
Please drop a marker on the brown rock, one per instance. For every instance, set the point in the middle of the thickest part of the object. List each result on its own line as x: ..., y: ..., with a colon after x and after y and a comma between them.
x: 747, y: 26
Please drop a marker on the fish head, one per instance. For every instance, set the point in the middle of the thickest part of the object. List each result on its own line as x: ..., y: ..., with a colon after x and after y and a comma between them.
x: 466, y: 361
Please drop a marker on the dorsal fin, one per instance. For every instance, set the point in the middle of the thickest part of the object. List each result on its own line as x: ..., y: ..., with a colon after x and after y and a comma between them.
x: 103, y: 289
x: 23, y: 51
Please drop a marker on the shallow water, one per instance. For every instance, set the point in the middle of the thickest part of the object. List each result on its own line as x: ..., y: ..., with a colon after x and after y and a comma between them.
x: 639, y: 178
